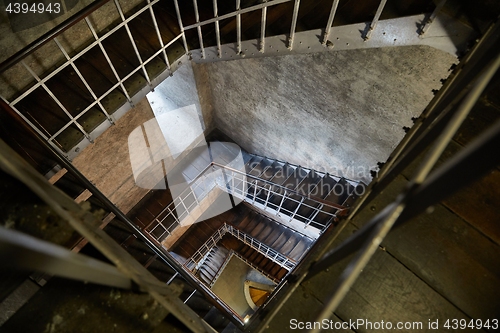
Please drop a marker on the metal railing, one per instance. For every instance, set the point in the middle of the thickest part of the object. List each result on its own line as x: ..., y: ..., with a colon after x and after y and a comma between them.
x: 199, y: 256
x: 51, y: 138
x: 427, y: 187
x: 236, y: 183
x: 181, y: 206
x: 260, y: 191
x: 267, y: 251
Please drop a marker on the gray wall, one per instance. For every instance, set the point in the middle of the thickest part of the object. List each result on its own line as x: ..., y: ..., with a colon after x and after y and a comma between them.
x: 340, y: 111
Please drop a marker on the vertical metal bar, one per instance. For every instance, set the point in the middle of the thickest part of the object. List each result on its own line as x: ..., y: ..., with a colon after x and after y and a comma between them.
x: 281, y: 203
x: 238, y: 26
x: 118, y: 6
x: 313, y: 215
x: 330, y: 21
x: 158, y: 33
x: 430, y: 19
x: 375, y: 19
x: 254, y: 192
x: 172, y: 278
x: 72, y: 120
x: 267, y: 198
x: 109, y: 60
x: 200, y: 36
x: 217, y: 30
x: 263, y: 29
x: 452, y: 127
x: 181, y: 26
x: 296, y: 209
x: 189, y: 297
x: 184, y: 205
x: 294, y: 24
x: 94, y: 96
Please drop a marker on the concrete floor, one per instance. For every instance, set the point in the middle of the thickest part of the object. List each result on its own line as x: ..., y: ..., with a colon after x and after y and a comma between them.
x: 231, y: 283
x: 339, y: 112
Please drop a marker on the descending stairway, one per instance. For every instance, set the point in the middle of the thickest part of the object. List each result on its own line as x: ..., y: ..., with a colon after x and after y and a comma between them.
x: 212, y: 264
x: 278, y: 176
x: 275, y: 235
x: 165, y: 273
x: 267, y: 266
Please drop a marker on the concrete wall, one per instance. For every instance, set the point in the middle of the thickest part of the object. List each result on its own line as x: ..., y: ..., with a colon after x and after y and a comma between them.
x: 340, y: 111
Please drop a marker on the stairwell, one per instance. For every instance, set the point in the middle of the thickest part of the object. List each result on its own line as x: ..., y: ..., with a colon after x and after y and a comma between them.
x: 77, y: 103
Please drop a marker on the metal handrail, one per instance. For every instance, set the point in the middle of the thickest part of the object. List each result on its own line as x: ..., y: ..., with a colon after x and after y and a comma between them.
x: 243, y: 194
x: 230, y: 188
x: 143, y: 236
x: 291, y: 191
x: 198, y: 257
x: 279, y: 258
x: 51, y: 34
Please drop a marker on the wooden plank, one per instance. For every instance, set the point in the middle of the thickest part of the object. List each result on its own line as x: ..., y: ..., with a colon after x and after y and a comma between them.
x: 300, y: 307
x: 83, y: 196
x: 386, y: 290
x: 58, y: 175
x: 478, y: 204
x: 482, y: 116
x: 449, y: 254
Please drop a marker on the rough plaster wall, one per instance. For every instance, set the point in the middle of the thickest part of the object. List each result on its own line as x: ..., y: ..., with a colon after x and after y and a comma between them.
x: 106, y: 163
x: 340, y: 112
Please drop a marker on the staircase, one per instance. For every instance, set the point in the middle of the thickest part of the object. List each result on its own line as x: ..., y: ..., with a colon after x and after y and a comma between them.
x: 277, y: 236
x: 295, y: 193
x: 213, y: 262
x: 167, y: 274
x: 266, y: 266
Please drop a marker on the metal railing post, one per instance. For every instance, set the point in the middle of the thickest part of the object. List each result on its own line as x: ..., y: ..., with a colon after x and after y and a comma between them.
x: 181, y: 26
x: 427, y: 23
x: 326, y: 34
x: 374, y: 22
x: 294, y: 24
x: 263, y: 29
x: 217, y: 30
x: 200, y: 34
x: 118, y: 6
x: 94, y: 33
x: 158, y: 33
x: 91, y: 91
x: 238, y: 27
